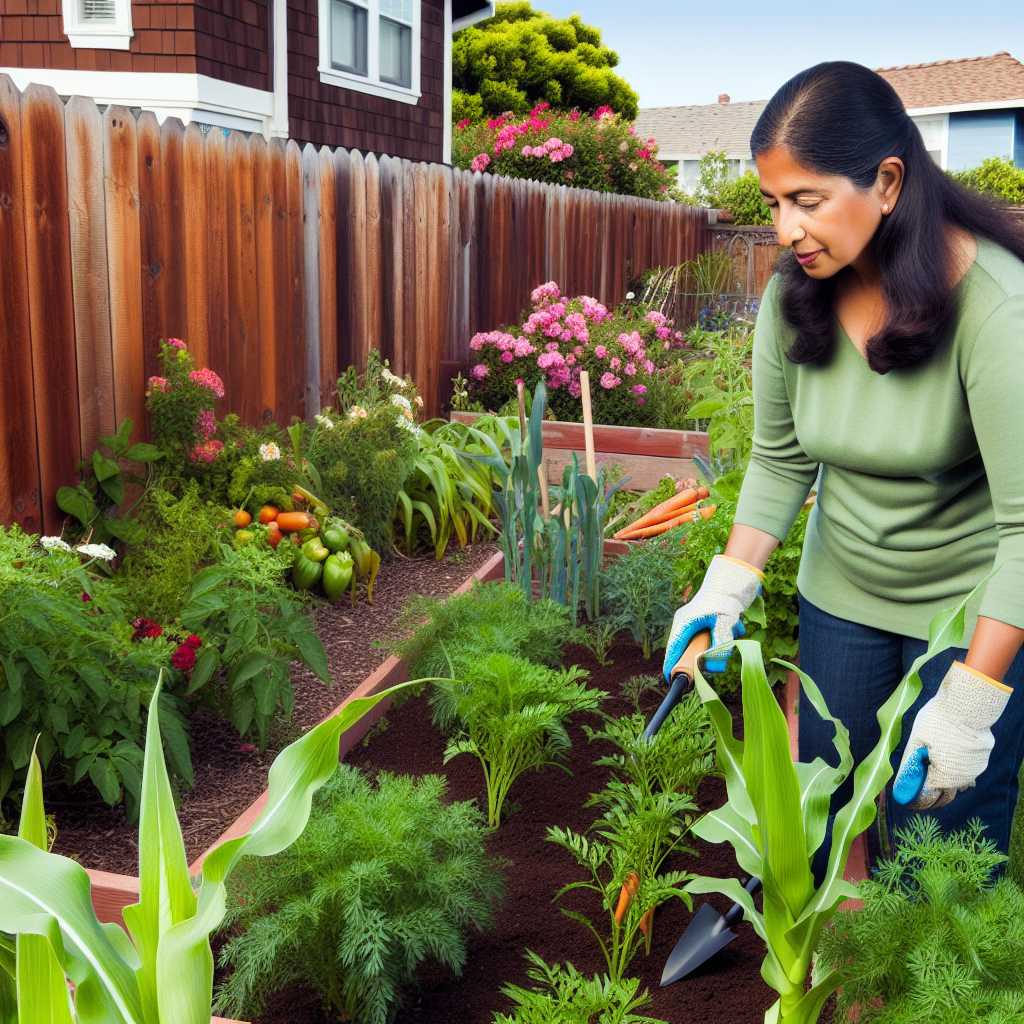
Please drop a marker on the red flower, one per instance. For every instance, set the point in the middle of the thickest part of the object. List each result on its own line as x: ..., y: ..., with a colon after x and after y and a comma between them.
x: 193, y: 641
x: 86, y: 597
x: 184, y: 658
x: 146, y: 629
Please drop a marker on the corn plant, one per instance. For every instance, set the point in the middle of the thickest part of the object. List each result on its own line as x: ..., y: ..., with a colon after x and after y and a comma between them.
x: 161, y: 972
x: 777, y: 817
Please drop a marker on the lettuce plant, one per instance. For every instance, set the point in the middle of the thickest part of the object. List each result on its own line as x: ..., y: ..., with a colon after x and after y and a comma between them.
x: 511, y: 715
x: 777, y: 817
x: 161, y: 972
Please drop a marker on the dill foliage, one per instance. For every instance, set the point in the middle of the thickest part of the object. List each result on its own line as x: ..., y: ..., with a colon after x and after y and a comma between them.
x: 384, y: 878
x: 511, y: 714
x: 562, y: 994
x: 937, y: 939
x: 491, y: 617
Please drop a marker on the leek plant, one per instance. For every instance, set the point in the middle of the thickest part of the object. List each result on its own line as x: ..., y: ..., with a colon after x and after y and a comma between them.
x: 777, y: 816
x: 561, y: 552
x: 161, y: 971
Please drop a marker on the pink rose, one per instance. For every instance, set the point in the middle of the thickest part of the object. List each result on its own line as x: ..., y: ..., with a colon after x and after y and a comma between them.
x: 207, y: 378
x: 601, y: 352
x: 639, y: 389
x: 480, y: 371
x: 480, y: 162
x: 630, y: 370
x: 609, y: 381
x: 615, y: 362
x: 177, y: 343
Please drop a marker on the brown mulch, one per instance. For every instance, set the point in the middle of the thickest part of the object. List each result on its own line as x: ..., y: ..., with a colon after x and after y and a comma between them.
x: 729, y: 989
x: 230, y: 774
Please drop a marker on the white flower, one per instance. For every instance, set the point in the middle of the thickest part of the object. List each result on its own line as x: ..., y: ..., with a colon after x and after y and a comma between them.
x: 269, y: 452
x: 401, y: 401
x: 419, y: 402
x: 325, y: 421
x: 392, y: 379
x: 406, y: 420
x: 357, y: 412
x: 54, y: 544
x: 97, y: 551
x: 630, y: 295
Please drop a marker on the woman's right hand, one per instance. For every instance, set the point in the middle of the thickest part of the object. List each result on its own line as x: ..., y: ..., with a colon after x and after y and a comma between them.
x: 727, y: 591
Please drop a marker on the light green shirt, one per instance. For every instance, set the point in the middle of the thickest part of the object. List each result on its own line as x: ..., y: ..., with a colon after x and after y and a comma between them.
x: 922, y: 469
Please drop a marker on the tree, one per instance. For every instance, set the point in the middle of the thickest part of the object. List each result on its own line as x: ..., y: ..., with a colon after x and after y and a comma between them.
x: 521, y: 56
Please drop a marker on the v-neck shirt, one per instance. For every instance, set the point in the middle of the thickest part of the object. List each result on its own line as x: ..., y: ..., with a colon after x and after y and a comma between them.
x: 921, y: 485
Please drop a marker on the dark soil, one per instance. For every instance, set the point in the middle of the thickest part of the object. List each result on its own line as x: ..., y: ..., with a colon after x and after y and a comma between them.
x: 230, y: 773
x: 728, y: 990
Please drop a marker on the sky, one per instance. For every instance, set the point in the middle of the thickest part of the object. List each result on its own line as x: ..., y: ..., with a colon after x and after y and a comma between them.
x: 677, y: 54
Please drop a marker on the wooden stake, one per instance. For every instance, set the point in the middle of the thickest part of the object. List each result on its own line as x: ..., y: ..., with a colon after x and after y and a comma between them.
x: 521, y: 397
x: 588, y: 425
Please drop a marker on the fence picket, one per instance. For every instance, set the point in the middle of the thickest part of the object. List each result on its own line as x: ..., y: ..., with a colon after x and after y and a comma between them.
x: 19, y: 455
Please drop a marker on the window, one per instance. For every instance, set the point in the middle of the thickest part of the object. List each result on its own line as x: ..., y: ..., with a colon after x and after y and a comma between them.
x: 372, y: 46
x: 98, y: 24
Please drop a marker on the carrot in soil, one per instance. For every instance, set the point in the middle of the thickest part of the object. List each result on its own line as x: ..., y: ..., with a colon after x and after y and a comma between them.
x: 688, y: 515
x: 626, y: 894
x: 674, y: 504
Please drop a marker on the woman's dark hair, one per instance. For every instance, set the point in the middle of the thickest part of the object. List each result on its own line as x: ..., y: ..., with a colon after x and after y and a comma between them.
x: 844, y: 119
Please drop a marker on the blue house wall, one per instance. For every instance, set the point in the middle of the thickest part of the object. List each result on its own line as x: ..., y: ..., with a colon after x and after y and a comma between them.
x: 1018, y: 140
x: 976, y: 135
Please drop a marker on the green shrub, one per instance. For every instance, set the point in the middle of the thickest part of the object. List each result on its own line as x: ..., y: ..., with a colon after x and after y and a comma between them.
x: 383, y: 879
x: 638, y: 590
x: 936, y: 938
x: 490, y: 617
x: 72, y: 678
x: 182, y: 533
x: 363, y: 463
x: 996, y: 177
x: 562, y: 995
x: 511, y: 715
x: 742, y: 197
x: 254, y: 625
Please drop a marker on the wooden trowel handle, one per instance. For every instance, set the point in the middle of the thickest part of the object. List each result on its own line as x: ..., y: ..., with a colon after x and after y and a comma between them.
x: 697, y: 646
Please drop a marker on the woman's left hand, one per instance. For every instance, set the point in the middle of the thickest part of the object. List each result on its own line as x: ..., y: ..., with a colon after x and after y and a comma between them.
x: 956, y: 728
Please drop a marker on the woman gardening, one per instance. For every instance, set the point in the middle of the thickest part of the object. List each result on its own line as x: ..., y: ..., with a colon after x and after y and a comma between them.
x: 888, y: 365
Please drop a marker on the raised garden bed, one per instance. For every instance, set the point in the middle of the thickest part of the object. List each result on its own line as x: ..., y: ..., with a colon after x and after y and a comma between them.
x: 229, y: 773
x: 646, y: 454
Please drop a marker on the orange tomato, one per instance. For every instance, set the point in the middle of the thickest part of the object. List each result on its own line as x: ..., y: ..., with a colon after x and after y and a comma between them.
x: 242, y: 518
x: 268, y: 514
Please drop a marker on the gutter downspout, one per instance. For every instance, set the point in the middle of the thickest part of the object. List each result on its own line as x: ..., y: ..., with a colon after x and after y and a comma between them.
x: 279, y: 127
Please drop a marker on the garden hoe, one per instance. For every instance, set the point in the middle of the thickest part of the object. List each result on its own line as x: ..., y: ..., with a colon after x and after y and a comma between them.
x: 681, y: 682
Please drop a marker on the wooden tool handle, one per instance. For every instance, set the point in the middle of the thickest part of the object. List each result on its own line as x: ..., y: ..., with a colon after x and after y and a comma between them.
x: 697, y: 646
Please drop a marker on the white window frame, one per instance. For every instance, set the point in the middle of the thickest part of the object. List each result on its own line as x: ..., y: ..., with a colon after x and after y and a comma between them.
x: 370, y: 82
x: 114, y: 35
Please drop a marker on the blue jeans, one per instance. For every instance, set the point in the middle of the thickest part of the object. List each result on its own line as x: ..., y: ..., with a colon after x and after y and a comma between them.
x: 856, y: 668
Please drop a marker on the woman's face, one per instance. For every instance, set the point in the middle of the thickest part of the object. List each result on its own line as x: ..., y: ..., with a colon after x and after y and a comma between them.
x: 825, y: 214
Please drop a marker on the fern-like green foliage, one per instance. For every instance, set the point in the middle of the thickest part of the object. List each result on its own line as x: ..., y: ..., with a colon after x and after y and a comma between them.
x: 937, y: 940
x: 562, y: 995
x: 511, y: 714
x: 638, y: 591
x: 489, y: 617
x: 675, y: 760
x: 384, y: 878
x: 181, y: 534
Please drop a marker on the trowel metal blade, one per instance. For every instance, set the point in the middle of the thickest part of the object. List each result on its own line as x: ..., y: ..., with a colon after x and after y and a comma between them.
x: 706, y: 935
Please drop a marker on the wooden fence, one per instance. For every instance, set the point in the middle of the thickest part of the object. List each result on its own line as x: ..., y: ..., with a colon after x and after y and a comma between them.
x: 278, y: 265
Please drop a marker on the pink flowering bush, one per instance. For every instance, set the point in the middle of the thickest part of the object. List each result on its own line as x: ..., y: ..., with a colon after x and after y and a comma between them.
x: 181, y: 404
x: 623, y: 351
x: 599, y: 151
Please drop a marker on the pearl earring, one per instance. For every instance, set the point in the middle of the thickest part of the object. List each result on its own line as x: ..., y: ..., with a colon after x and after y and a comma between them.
x: 885, y: 208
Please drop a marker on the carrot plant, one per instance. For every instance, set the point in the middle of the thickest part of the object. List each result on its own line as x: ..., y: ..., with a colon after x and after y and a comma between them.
x: 777, y: 817
x: 511, y: 715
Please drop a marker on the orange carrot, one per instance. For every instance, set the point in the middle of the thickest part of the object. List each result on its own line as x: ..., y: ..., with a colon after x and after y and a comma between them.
x: 676, y: 503
x: 626, y: 894
x: 652, y: 529
x: 689, y: 515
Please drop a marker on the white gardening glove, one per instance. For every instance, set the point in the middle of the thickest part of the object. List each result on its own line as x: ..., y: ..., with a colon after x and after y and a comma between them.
x: 729, y: 587
x: 956, y: 728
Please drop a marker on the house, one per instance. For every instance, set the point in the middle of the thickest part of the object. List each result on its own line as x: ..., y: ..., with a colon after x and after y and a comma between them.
x: 967, y: 110
x: 373, y: 75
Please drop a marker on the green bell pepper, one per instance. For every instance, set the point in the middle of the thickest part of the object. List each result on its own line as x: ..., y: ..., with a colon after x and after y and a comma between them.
x: 314, y: 550
x: 305, y: 572
x: 335, y: 537
x: 337, y: 575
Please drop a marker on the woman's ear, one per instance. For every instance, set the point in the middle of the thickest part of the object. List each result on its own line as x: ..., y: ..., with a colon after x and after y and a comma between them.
x: 890, y: 180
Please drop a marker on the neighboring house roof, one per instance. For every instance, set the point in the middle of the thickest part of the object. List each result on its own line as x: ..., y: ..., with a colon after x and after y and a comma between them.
x: 696, y: 130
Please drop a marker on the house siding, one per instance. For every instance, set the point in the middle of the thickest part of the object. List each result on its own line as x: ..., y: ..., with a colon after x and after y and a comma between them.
x: 233, y: 41
x: 1018, y: 140
x: 327, y: 115
x: 32, y: 36
x: 977, y: 135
